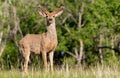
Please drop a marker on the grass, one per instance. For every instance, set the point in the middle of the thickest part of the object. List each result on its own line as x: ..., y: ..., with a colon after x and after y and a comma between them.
x: 66, y: 72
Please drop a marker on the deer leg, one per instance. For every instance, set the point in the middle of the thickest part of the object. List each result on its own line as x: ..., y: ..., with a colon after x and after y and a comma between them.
x: 26, y: 57
x: 51, y: 54
x: 45, y: 60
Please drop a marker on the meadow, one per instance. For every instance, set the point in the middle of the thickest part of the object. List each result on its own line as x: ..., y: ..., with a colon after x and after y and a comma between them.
x: 66, y: 72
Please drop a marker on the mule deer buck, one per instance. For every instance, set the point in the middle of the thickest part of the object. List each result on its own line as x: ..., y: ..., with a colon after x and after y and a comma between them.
x: 42, y: 43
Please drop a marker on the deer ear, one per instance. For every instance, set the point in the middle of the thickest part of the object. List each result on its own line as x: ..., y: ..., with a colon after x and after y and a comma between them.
x: 42, y: 13
x: 58, y: 11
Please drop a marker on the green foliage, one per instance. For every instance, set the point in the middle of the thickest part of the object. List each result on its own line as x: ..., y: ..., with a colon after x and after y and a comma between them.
x: 9, y: 56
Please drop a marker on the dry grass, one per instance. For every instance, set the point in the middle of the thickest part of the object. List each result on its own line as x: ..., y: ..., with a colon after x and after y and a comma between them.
x: 66, y: 72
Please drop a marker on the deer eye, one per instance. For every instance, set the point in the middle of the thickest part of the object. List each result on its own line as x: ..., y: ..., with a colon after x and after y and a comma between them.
x: 46, y: 16
x: 53, y: 16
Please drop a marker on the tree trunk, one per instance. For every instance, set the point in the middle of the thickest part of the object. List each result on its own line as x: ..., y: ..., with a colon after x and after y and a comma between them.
x: 1, y: 48
x: 80, y: 16
x: 100, y: 50
x: 80, y: 52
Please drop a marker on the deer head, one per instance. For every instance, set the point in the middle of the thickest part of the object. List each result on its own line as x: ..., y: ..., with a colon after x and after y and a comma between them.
x: 50, y: 16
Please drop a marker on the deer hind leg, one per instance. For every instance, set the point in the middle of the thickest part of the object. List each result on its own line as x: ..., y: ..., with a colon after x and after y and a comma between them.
x: 45, y: 60
x: 26, y: 55
x: 51, y: 54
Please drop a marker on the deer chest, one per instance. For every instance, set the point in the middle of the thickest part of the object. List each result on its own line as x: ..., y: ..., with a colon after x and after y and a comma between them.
x: 49, y: 45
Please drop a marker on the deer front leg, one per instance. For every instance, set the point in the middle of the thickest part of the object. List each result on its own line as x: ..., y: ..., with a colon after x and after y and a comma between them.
x: 51, y: 54
x: 26, y: 57
x: 45, y: 60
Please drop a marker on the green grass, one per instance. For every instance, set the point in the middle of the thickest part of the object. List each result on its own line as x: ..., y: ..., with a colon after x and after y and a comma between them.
x: 66, y: 72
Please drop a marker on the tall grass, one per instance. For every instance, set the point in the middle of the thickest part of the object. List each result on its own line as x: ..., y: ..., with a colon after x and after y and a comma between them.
x: 66, y: 72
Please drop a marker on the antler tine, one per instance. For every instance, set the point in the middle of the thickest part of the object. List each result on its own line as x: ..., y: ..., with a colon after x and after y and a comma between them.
x: 58, y: 9
x: 43, y: 9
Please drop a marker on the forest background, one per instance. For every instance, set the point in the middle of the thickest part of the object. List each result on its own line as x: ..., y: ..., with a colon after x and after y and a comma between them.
x: 88, y: 31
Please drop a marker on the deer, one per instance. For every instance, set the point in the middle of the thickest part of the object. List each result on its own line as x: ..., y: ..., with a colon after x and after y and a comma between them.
x: 44, y: 43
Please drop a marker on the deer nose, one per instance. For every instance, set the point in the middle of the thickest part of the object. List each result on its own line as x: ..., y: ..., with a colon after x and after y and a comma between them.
x: 50, y: 19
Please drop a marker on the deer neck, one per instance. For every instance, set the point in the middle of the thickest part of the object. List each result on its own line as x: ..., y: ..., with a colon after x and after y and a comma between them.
x: 51, y: 31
